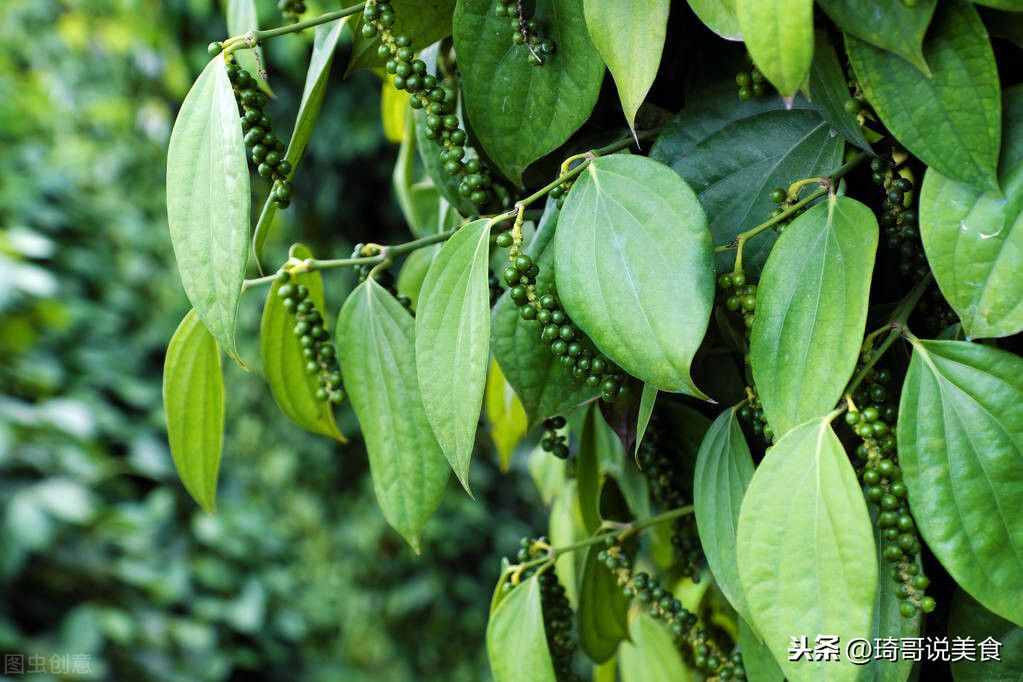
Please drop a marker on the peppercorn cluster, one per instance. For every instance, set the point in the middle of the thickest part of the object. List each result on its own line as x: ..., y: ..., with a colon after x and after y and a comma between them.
x: 752, y: 413
x: 292, y: 10
x: 527, y: 31
x: 317, y: 349
x: 883, y: 487
x: 751, y: 83
x: 553, y: 440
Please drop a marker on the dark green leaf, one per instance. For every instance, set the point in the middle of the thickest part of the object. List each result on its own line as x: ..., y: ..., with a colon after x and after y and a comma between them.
x: 756, y: 657
x: 646, y: 410
x: 651, y: 655
x: 453, y: 342
x: 516, y: 641
x: 444, y: 182
x: 591, y: 442
x: 423, y: 21
x: 888, y: 24
x: 812, y: 310
x: 719, y: 16
x: 971, y: 620
x: 193, y: 399
x: 208, y: 202
x: 375, y: 338
x: 779, y: 37
x: 1007, y: 25
x: 632, y: 236
x: 829, y: 91
x: 974, y: 239
x: 1008, y: 5
x: 516, y: 129
x: 804, y: 533
x: 961, y: 449
x: 951, y: 120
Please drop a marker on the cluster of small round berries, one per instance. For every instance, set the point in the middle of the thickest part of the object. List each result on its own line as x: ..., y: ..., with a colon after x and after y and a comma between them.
x: 266, y: 150
x: 438, y: 99
x: 564, y: 339
x: 319, y: 353
x: 561, y: 191
x: 739, y: 296
x: 292, y: 9
x: 883, y: 486
x: 752, y: 412
x: 527, y: 31
x: 857, y: 102
x: 780, y: 196
x: 751, y: 84
x: 383, y: 277
x: 690, y: 636
x: 552, y: 441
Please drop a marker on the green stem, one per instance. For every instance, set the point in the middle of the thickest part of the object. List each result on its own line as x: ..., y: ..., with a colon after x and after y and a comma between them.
x: 627, y: 530
x: 253, y: 38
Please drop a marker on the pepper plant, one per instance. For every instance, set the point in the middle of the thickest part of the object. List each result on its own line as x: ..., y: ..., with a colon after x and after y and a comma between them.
x: 757, y: 295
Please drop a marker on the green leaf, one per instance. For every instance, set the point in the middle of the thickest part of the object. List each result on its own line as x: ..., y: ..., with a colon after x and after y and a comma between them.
x: 779, y: 37
x: 565, y: 527
x: 516, y: 641
x: 719, y: 16
x: 1008, y: 5
x: 724, y: 468
x: 804, y: 533
x: 829, y: 91
x: 951, y: 120
x: 603, y: 613
x: 756, y: 657
x: 630, y: 43
x: 651, y: 655
x: 324, y: 45
x: 812, y: 310
x: 502, y: 581
x: 887, y: 24
x: 208, y: 202
x: 646, y: 410
x: 425, y: 208
x: 543, y: 384
x: 423, y: 21
x: 960, y: 439
x: 632, y: 235
x: 516, y: 130
x: 453, y: 342
x: 193, y: 399
x: 974, y: 239
x: 733, y: 154
x: 548, y: 473
x: 444, y: 183
x: 375, y: 338
x: 241, y: 18
x: 971, y: 620
x: 413, y: 272
x: 294, y: 389
x: 592, y: 440
x: 506, y: 415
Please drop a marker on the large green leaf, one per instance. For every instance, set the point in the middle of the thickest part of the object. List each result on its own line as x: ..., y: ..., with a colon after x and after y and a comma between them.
x: 423, y: 21
x: 734, y: 153
x: 631, y: 237
x: 516, y: 641
x: 453, y: 342
x: 630, y: 43
x: 543, y: 384
x: 756, y: 657
x: 961, y: 448
x: 603, y: 610
x: 208, y: 202
x: 651, y: 654
x: 375, y: 338
x: 294, y: 389
x: 241, y: 18
x: 324, y: 44
x: 812, y: 310
x: 806, y: 550
x: 520, y: 111
x: 974, y: 239
x: 888, y: 24
x: 779, y: 37
x: 719, y: 16
x: 724, y: 468
x: 970, y: 620
x: 193, y: 399
x: 829, y: 92
x: 952, y: 119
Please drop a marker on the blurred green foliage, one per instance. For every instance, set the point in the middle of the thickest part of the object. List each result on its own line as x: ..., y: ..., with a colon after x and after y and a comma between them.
x: 101, y: 551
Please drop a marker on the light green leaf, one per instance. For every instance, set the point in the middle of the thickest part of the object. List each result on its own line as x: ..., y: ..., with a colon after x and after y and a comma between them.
x: 646, y: 410
x: 241, y: 18
x: 651, y: 655
x: 324, y: 45
x: 453, y: 342
x: 603, y: 611
x: 806, y: 550
x: 779, y: 37
x: 960, y: 437
x: 724, y: 468
x: 548, y: 473
x: 516, y: 640
x: 971, y: 620
x: 517, y: 130
x: 951, y: 120
x: 294, y: 389
x: 208, y: 202
x: 420, y: 201
x: 974, y: 239
x: 423, y: 21
x: 632, y: 235
x: 506, y: 415
x: 502, y: 582
x: 719, y: 16
x: 543, y: 384
x: 565, y: 527
x: 829, y: 91
x: 375, y: 338
x: 413, y: 272
x: 812, y: 310
x: 756, y: 657
x: 887, y: 24
x: 733, y: 154
x: 193, y: 399
x: 630, y: 43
